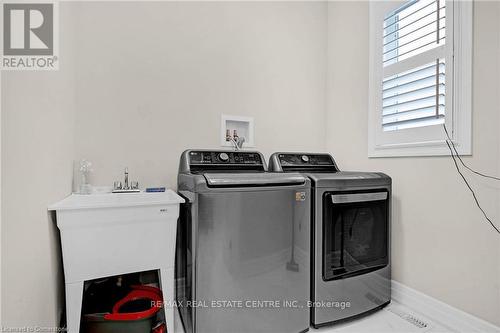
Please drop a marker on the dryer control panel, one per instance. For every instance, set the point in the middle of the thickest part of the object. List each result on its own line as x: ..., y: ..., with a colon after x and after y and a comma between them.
x: 297, y: 162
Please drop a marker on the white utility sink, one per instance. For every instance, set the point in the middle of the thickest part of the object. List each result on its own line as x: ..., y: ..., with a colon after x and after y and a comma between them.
x: 116, y: 233
x: 111, y: 200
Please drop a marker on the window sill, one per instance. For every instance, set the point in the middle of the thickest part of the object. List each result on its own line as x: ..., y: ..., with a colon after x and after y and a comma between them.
x: 421, y: 149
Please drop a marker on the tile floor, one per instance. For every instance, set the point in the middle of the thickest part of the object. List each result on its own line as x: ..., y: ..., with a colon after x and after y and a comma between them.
x: 393, y: 318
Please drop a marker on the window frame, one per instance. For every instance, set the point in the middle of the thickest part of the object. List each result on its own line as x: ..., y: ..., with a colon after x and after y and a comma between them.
x: 430, y: 140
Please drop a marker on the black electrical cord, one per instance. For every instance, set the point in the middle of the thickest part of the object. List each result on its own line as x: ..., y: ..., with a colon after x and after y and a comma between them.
x: 462, y: 162
x: 470, y: 188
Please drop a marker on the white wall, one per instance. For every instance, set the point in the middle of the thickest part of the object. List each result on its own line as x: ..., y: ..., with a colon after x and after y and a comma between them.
x: 153, y: 80
x: 442, y: 246
x: 38, y: 115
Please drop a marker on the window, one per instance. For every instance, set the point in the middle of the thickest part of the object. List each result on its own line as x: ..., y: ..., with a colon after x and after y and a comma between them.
x: 420, y: 77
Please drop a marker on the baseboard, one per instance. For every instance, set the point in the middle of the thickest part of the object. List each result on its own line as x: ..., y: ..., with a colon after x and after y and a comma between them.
x: 442, y: 313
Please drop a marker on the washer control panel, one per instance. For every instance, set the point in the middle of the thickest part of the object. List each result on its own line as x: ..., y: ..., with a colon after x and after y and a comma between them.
x: 224, y: 158
x: 305, y: 162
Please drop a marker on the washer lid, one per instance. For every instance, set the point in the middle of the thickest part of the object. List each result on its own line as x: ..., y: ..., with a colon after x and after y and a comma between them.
x: 253, y: 179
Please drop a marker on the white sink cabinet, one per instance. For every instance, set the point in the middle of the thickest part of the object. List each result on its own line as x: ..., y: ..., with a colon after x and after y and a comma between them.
x: 110, y: 234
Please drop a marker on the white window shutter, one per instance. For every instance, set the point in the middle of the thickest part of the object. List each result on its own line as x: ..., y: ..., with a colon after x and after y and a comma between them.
x: 420, y: 77
x: 414, y: 73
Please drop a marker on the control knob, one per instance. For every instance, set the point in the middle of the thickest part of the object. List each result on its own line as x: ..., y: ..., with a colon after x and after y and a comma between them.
x: 304, y: 158
x: 223, y: 157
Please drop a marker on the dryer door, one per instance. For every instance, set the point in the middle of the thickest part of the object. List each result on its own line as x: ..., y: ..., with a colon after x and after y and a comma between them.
x: 355, y: 233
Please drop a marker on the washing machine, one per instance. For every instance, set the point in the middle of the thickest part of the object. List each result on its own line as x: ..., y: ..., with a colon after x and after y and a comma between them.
x: 350, y: 237
x: 243, y: 251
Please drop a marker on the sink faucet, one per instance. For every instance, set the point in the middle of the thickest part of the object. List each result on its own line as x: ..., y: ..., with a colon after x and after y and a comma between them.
x: 125, y: 184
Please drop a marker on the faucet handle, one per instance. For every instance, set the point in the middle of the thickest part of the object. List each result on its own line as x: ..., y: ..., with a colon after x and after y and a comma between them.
x: 125, y: 181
